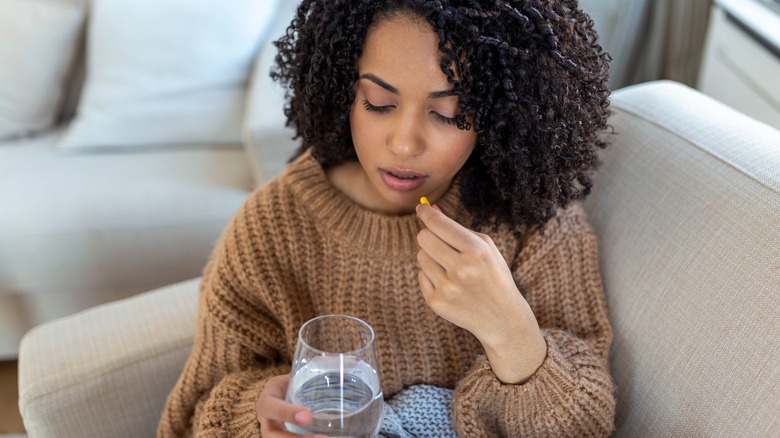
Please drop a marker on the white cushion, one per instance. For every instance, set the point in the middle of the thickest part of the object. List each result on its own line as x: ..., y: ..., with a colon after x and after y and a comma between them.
x: 37, y: 49
x: 167, y: 73
x: 105, y: 226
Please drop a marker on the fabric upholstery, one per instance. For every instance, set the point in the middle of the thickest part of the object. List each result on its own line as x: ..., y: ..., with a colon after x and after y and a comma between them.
x: 37, y: 50
x: 128, y: 354
x: 137, y: 95
x: 80, y: 230
x: 687, y: 206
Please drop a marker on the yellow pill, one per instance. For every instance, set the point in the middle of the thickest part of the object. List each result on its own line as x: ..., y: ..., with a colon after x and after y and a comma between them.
x: 424, y: 200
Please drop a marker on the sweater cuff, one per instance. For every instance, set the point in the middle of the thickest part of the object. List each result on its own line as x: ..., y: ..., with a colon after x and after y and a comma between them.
x: 230, y: 407
x: 571, y: 394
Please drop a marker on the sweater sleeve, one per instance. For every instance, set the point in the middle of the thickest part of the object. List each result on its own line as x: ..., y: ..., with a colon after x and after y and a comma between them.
x: 571, y: 394
x: 216, y: 397
x: 239, y: 343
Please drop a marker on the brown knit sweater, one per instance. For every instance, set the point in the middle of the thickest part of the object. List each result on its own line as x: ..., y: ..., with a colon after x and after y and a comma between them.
x: 299, y: 248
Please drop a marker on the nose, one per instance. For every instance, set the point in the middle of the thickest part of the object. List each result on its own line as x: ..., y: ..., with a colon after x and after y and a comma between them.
x: 406, y: 139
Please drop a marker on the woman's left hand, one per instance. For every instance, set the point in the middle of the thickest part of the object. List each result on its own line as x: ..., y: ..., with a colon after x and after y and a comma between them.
x: 465, y: 280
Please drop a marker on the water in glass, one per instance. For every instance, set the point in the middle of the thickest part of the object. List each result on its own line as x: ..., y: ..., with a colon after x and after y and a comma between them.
x: 344, y: 395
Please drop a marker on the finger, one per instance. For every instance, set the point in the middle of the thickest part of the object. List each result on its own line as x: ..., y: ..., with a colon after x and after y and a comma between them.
x: 274, y: 429
x: 434, y: 271
x: 277, y: 386
x: 279, y: 410
x: 271, y: 404
x: 426, y: 286
x: 447, y: 229
x: 439, y: 250
x: 431, y: 297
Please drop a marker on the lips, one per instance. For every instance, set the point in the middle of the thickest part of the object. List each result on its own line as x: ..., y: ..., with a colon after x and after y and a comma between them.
x: 402, y: 180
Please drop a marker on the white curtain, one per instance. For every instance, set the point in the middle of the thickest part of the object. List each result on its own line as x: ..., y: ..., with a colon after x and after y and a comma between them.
x: 651, y: 39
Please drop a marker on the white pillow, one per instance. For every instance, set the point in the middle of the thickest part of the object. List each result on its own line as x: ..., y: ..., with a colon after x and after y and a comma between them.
x: 38, y: 45
x: 167, y: 72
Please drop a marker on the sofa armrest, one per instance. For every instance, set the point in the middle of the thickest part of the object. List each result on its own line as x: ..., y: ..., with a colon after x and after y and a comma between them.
x: 687, y: 209
x: 108, y: 370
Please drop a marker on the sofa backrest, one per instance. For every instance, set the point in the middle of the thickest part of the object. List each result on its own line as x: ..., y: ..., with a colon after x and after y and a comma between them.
x: 687, y: 209
x: 268, y: 142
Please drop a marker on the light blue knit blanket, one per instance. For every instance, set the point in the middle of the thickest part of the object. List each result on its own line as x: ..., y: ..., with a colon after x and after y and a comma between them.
x: 419, y: 411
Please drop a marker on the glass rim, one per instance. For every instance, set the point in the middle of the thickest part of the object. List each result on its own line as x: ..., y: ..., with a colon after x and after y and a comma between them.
x: 366, y: 345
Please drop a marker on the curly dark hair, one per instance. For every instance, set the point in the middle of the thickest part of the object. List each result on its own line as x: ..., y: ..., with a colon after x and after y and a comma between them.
x: 531, y: 78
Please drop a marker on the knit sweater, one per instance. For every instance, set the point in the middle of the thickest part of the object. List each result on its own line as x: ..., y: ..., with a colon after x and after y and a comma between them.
x: 299, y: 248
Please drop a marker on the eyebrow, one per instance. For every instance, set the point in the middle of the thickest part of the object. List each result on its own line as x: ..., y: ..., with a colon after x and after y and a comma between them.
x: 381, y: 82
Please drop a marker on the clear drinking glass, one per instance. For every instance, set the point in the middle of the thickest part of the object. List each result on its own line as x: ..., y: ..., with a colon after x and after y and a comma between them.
x: 335, y: 374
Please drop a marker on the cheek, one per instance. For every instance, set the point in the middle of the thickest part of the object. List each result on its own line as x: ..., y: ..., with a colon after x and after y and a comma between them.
x: 462, y: 147
x: 361, y: 129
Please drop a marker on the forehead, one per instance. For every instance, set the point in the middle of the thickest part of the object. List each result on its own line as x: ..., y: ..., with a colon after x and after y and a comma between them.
x: 402, y: 29
x: 402, y: 44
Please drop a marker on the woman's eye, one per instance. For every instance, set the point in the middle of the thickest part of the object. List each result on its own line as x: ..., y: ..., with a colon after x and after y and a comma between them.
x: 445, y: 120
x: 379, y: 109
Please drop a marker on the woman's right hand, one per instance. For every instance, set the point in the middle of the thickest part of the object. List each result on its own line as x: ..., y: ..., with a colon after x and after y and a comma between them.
x: 273, y: 411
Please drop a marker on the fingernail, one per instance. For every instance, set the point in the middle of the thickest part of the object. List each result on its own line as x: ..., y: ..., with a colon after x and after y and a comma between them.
x: 301, y: 417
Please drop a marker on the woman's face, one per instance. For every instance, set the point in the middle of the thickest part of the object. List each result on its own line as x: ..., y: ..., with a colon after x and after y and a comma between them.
x: 402, y: 119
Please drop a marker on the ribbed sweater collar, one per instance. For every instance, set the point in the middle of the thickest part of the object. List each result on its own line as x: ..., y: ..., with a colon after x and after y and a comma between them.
x: 338, y: 216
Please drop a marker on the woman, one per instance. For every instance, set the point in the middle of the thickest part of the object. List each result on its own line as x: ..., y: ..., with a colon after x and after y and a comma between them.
x: 493, y: 111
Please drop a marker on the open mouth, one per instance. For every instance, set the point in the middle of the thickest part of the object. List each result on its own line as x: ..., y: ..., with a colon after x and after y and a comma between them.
x: 402, y: 180
x: 403, y: 176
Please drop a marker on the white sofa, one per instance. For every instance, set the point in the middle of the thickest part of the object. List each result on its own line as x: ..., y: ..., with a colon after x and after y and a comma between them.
x: 687, y: 209
x: 132, y: 193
